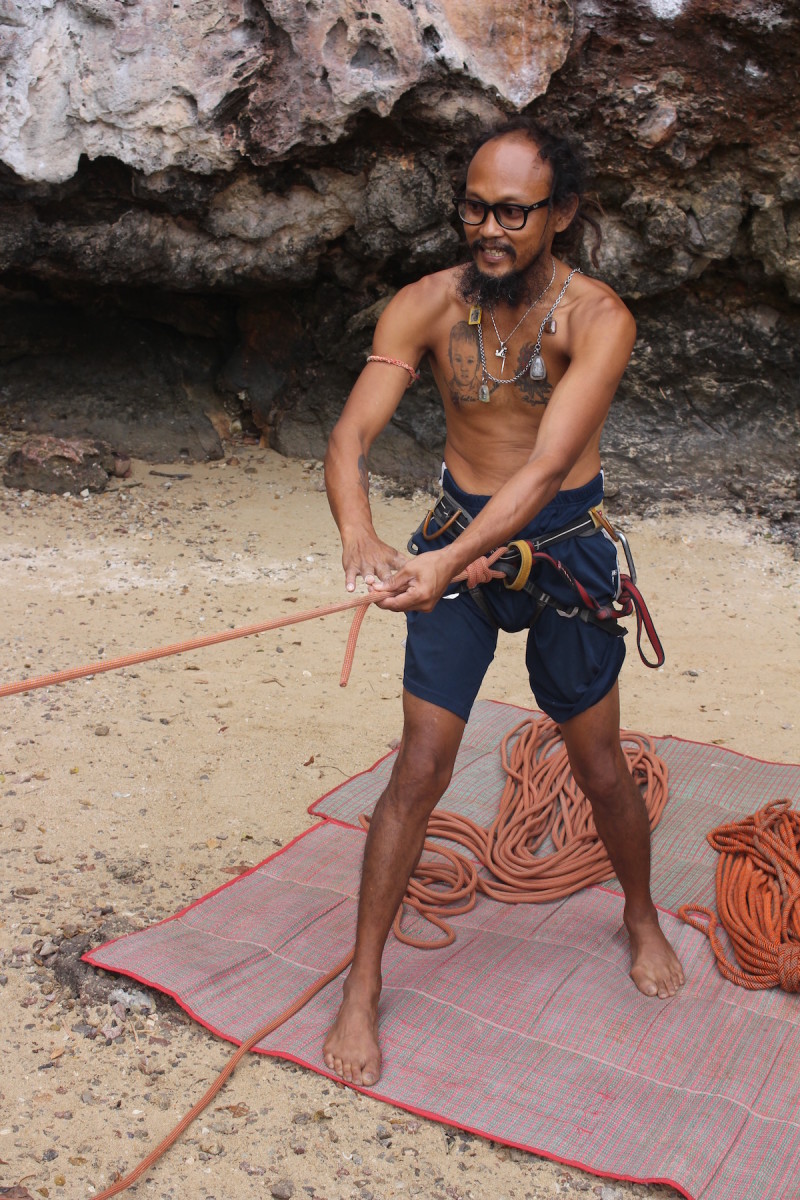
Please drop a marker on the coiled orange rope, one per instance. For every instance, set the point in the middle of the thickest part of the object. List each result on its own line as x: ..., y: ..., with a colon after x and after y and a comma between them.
x: 539, y: 799
x: 758, y: 899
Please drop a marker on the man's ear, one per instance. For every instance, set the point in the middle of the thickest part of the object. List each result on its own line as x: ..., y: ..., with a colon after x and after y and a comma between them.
x: 564, y: 214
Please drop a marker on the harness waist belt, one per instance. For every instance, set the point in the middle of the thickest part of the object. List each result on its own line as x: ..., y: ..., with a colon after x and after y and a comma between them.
x: 453, y: 520
x: 517, y: 561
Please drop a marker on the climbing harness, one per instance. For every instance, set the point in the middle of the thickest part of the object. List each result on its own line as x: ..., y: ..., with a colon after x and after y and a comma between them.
x: 515, y: 564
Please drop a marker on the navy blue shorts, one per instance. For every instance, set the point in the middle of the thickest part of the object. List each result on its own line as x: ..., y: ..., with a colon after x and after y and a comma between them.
x: 571, y: 664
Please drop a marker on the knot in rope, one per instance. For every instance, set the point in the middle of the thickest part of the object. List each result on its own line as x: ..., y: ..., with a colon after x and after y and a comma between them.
x: 480, y: 571
x: 789, y: 968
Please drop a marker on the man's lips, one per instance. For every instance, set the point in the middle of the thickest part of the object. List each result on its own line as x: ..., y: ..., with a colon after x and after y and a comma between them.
x: 493, y: 253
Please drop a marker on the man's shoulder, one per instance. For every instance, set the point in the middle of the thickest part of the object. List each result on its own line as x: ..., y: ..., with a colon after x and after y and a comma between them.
x: 430, y: 296
x: 598, y: 314
x: 597, y: 301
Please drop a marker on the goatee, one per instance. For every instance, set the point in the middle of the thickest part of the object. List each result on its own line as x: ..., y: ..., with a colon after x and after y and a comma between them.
x: 513, y: 288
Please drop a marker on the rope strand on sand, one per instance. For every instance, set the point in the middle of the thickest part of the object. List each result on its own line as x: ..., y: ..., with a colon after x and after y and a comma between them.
x: 360, y: 603
x: 208, y: 639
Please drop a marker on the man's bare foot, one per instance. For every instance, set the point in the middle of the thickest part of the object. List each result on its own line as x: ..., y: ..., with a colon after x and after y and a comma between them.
x: 351, y: 1048
x: 655, y: 968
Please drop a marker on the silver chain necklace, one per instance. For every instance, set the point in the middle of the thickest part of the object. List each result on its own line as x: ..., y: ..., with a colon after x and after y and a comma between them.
x: 501, y: 353
x: 535, y: 367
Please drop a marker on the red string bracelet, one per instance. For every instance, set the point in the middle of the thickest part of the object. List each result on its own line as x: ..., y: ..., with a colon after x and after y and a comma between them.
x: 395, y: 362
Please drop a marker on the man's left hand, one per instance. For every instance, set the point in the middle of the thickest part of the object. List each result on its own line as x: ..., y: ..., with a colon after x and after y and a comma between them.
x: 418, y: 585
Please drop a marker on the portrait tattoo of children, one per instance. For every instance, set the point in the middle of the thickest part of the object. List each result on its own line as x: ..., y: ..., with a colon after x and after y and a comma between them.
x: 465, y: 361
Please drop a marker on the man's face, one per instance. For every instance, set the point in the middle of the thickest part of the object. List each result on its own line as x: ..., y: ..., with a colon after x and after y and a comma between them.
x: 509, y: 169
x: 464, y: 360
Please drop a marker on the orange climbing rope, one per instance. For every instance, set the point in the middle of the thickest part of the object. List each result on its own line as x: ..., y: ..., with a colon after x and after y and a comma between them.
x: 540, y: 799
x: 360, y: 603
x: 121, y: 1185
x: 758, y: 899
x: 196, y: 643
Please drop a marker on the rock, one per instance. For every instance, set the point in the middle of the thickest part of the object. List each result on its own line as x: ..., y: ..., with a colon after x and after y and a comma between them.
x: 190, y: 76
x: 204, y: 210
x: 55, y: 465
x: 115, y: 379
x: 658, y: 126
x: 132, y: 1000
x: 282, y: 1190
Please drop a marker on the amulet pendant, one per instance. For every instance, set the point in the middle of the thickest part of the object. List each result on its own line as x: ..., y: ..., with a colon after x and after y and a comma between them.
x: 537, y: 368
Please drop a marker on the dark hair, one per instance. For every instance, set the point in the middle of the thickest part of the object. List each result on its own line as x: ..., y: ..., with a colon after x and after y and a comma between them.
x: 569, y: 177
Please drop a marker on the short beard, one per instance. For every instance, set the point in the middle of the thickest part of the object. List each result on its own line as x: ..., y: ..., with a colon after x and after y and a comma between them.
x: 513, y: 288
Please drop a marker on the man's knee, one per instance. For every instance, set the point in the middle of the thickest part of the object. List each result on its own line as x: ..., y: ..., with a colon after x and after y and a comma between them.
x: 603, y: 779
x: 596, y: 758
x: 421, y: 774
x: 424, y: 766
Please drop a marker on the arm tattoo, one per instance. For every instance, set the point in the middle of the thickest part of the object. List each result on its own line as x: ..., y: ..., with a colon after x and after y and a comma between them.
x: 363, y: 474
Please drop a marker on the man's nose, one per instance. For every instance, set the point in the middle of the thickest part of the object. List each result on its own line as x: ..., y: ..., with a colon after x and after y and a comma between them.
x: 491, y: 226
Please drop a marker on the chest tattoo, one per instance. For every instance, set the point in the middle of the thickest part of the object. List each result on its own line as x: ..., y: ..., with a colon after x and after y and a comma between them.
x: 465, y: 364
x: 533, y: 391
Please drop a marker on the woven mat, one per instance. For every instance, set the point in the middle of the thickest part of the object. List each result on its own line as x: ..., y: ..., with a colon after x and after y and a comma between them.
x: 527, y: 1029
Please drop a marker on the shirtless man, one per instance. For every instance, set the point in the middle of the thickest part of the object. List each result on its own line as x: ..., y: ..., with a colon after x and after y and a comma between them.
x: 522, y: 457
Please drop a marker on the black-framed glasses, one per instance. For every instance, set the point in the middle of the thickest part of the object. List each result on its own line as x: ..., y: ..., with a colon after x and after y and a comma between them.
x: 508, y: 216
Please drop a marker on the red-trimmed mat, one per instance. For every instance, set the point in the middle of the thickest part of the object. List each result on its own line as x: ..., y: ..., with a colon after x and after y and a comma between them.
x: 528, y: 1029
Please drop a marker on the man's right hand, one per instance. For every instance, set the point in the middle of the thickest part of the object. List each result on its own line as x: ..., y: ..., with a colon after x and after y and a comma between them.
x: 366, y: 555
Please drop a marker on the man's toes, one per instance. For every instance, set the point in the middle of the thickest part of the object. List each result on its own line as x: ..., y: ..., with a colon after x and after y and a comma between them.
x: 645, y: 983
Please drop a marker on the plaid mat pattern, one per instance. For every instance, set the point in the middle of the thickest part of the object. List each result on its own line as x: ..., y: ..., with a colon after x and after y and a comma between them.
x: 527, y: 1029
x: 708, y: 785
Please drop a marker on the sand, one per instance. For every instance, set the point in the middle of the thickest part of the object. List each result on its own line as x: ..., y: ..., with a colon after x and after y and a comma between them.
x: 127, y: 795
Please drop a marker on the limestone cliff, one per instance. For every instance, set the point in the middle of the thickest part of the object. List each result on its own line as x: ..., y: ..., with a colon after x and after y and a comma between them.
x: 237, y: 186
